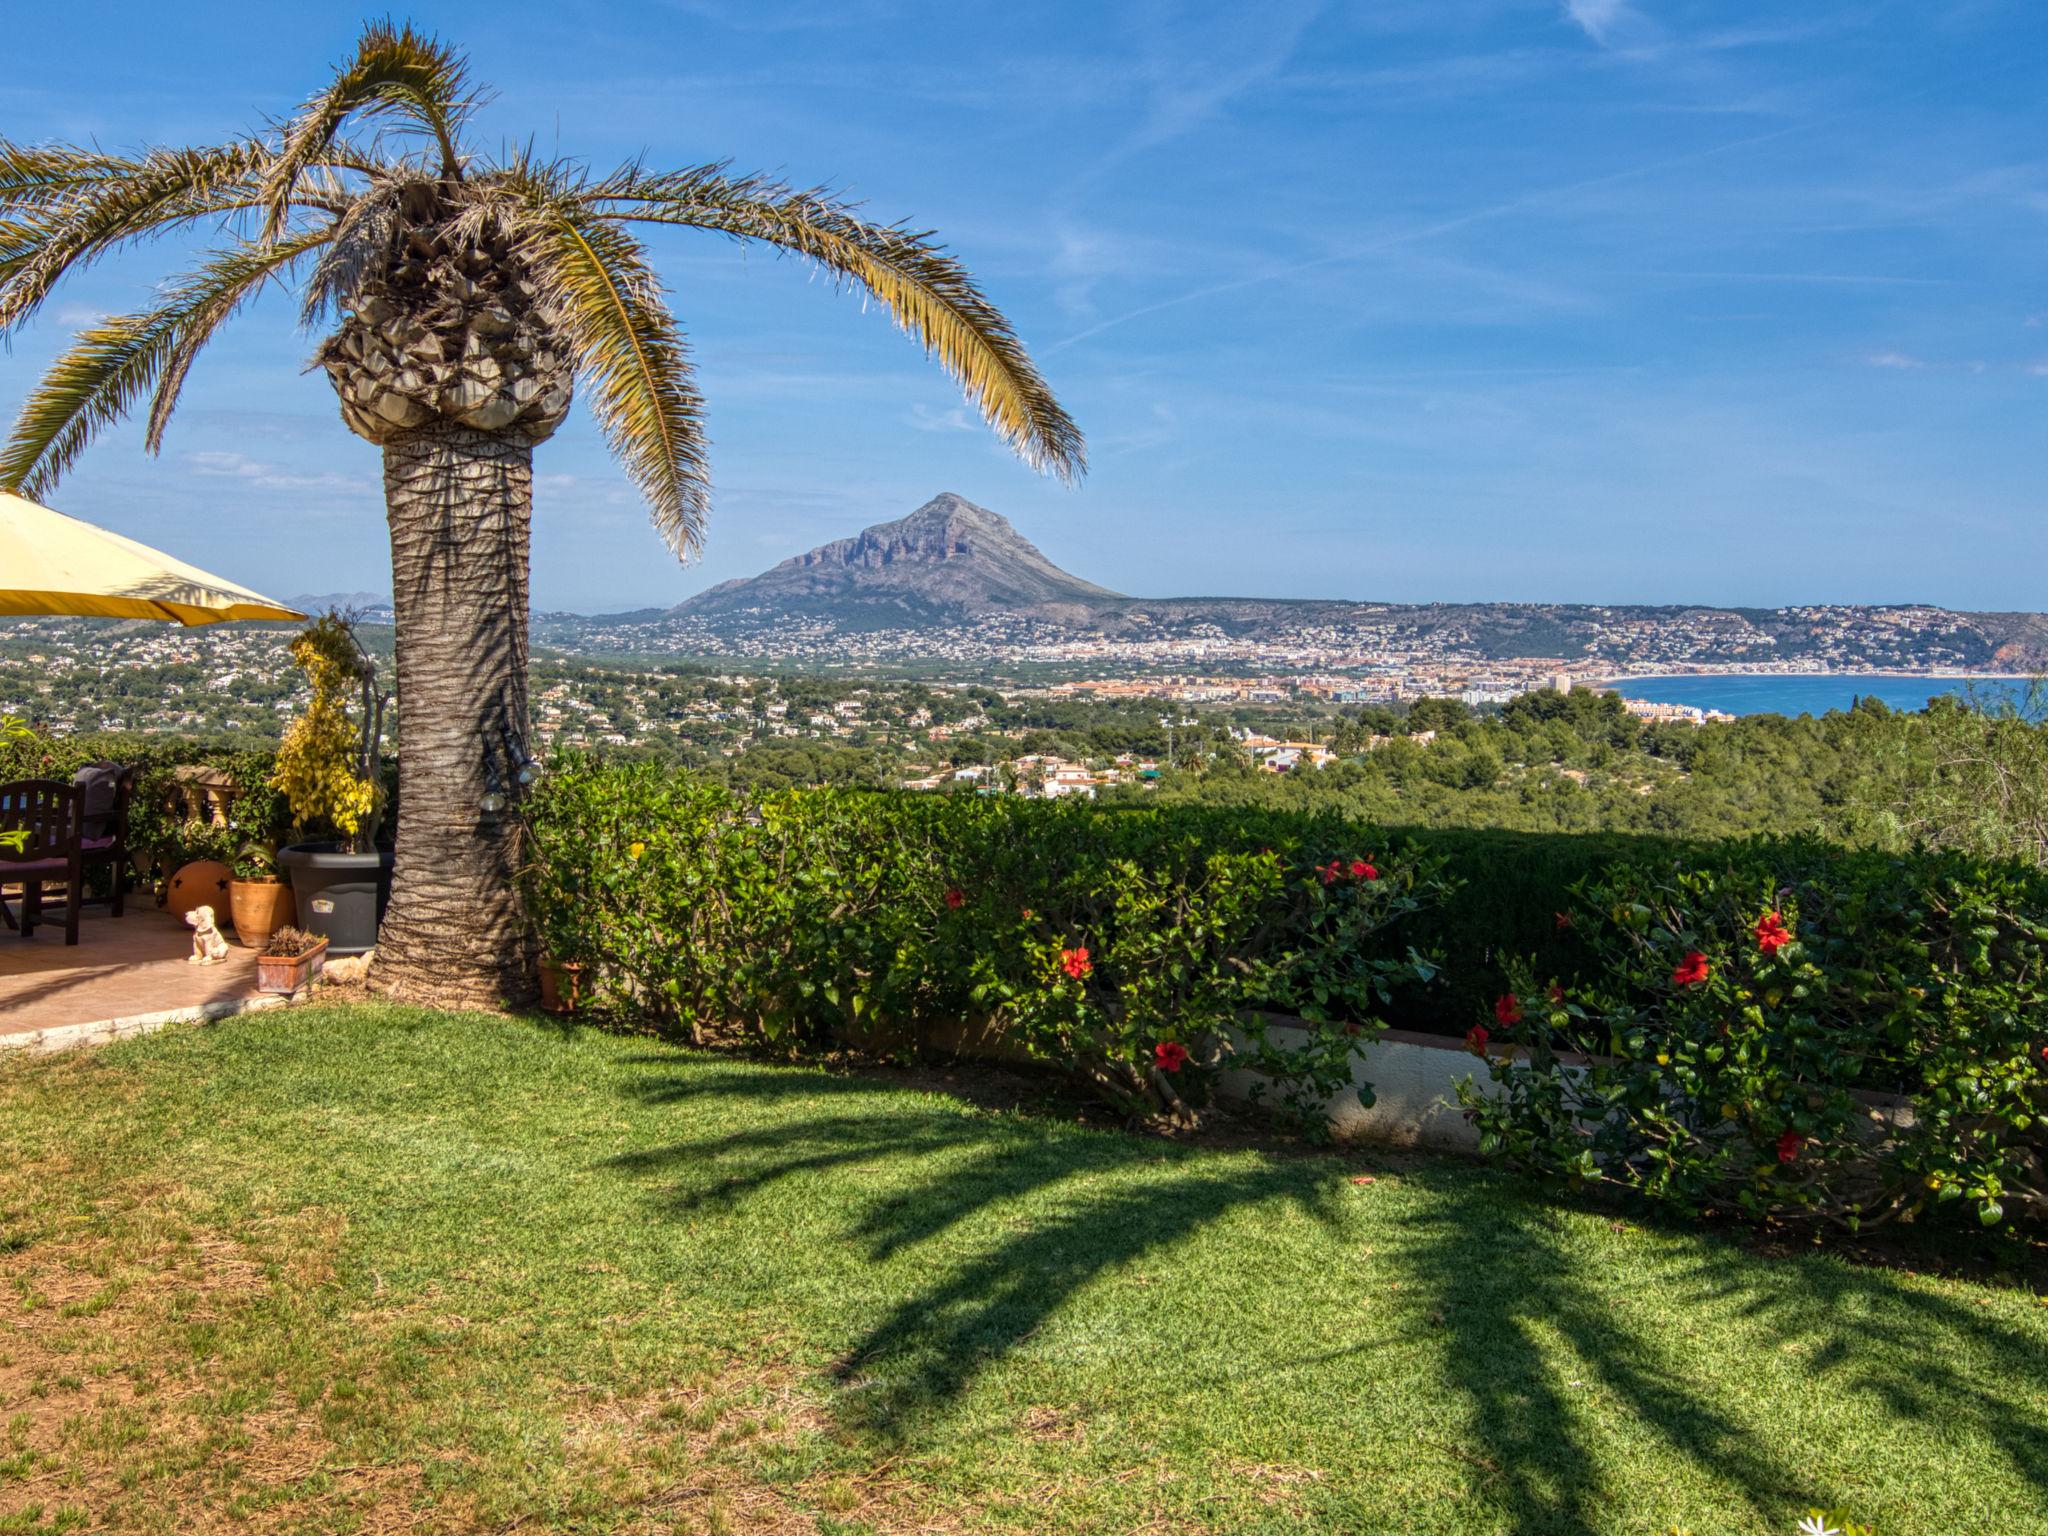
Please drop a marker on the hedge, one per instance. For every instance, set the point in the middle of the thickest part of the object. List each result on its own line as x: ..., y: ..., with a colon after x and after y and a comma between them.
x: 1787, y: 1030
x: 156, y: 832
x: 1141, y: 949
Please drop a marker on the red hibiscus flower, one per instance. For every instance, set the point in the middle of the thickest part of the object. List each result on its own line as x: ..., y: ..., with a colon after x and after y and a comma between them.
x: 955, y: 900
x: 1476, y: 1038
x: 1075, y: 962
x: 1360, y: 870
x: 1169, y: 1055
x: 1789, y: 1145
x: 1330, y: 872
x: 1564, y: 921
x: 1508, y: 1008
x: 1771, y: 933
x: 1692, y: 970
x: 1556, y: 993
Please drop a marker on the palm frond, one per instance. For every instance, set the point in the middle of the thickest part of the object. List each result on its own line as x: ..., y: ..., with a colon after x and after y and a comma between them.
x: 210, y: 298
x: 112, y: 364
x: 362, y: 238
x: 165, y: 189
x: 31, y: 176
x: 396, y: 72
x: 597, y: 288
x: 925, y: 287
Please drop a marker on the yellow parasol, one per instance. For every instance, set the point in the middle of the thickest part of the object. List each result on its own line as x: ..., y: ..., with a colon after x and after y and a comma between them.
x: 50, y: 563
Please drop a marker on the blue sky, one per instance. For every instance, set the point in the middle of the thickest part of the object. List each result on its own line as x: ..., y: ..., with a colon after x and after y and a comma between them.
x: 1606, y: 300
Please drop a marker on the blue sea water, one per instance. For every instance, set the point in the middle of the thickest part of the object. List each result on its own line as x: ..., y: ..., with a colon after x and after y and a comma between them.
x: 1775, y: 694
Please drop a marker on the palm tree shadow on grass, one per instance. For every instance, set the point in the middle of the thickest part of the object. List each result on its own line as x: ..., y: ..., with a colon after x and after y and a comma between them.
x: 1925, y: 1357
x: 914, y: 1363
x: 1493, y: 1261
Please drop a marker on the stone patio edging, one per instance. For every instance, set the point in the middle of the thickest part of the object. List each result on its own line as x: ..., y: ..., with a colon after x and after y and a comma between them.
x: 64, y: 1037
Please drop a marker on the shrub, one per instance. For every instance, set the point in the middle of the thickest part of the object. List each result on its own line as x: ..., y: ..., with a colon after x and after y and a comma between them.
x: 1789, y: 1032
x: 326, y: 764
x: 1876, y: 1057
x: 1133, y: 948
x: 157, y: 827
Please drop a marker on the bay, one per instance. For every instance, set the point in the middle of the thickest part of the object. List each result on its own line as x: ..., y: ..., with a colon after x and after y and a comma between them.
x: 1777, y: 693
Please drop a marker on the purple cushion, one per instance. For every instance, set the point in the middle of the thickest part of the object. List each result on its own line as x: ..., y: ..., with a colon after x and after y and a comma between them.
x: 11, y: 871
x: 90, y: 843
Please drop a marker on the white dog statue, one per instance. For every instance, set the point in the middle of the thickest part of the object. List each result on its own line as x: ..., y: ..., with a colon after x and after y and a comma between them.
x: 208, y: 947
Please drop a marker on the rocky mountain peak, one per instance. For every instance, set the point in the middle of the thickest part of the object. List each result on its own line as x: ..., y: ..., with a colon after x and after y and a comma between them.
x: 950, y: 556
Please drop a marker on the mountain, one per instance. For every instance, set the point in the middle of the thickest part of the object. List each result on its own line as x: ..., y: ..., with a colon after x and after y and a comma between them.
x: 949, y: 559
x: 950, y: 579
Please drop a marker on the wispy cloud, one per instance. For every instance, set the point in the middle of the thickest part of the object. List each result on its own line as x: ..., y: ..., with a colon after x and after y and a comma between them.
x: 1183, y: 94
x: 1892, y: 360
x: 271, y: 477
x: 1598, y: 18
x: 1613, y: 23
x: 1522, y: 202
x: 925, y: 419
x: 1160, y: 431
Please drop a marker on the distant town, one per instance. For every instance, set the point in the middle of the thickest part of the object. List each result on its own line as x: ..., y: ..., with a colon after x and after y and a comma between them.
x: 1280, y: 700
x: 1373, y: 653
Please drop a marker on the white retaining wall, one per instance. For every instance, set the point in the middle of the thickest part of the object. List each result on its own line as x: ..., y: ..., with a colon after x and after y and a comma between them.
x: 1415, y: 1090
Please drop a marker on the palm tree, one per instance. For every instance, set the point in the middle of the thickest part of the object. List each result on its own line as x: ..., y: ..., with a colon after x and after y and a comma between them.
x: 471, y: 296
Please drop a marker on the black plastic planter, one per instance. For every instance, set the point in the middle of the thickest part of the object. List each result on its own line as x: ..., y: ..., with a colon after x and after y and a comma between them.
x: 341, y: 896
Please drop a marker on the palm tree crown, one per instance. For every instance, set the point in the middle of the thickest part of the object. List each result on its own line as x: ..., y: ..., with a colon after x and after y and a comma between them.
x: 470, y: 290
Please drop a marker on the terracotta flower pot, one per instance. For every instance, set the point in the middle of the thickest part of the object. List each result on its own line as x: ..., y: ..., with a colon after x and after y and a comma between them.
x: 261, y: 906
x: 561, y: 985
x: 288, y: 973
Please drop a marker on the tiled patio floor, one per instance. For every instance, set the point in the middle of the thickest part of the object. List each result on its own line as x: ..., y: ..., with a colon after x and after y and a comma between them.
x: 121, y: 968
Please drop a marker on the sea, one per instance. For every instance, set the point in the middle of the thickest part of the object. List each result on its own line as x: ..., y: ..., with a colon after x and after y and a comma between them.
x: 1777, y: 693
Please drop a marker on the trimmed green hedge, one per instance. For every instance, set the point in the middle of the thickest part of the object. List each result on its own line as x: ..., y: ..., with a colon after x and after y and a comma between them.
x: 1512, y: 888
x: 1786, y: 1029
x: 1136, y: 948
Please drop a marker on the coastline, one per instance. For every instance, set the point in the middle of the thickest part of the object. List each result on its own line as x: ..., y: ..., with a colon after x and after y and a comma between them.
x: 1621, y: 680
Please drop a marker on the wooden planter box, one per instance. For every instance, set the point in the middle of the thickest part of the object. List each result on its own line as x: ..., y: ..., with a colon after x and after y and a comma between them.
x: 287, y: 973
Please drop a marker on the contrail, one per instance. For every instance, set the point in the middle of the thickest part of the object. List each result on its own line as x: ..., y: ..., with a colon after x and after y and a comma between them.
x: 1510, y: 205
x: 1430, y: 231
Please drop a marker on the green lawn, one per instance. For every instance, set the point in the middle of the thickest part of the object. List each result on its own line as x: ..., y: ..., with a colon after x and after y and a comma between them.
x: 358, y: 1267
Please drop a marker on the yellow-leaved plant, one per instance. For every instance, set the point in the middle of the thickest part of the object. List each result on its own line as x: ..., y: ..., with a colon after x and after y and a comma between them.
x: 321, y: 768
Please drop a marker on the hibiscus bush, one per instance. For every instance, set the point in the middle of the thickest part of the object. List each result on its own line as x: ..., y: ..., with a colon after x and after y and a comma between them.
x: 1788, y: 1032
x: 1139, y: 950
x: 1155, y: 970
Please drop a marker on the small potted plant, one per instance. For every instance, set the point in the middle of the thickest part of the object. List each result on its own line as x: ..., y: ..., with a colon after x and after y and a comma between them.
x: 561, y: 985
x: 561, y: 976
x: 329, y: 772
x: 553, y: 907
x: 290, y: 960
x: 260, y: 901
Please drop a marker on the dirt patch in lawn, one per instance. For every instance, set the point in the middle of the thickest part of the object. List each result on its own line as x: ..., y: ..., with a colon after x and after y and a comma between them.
x: 744, y: 1449
x: 136, y: 1394
x: 160, y: 1376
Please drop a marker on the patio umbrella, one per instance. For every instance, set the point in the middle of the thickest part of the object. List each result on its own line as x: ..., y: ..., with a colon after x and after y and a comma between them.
x: 50, y: 563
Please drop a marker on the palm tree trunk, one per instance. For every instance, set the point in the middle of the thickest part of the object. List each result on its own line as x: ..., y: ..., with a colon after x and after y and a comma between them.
x: 460, y: 502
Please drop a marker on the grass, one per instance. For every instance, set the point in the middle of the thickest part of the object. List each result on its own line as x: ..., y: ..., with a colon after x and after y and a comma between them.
x: 369, y: 1268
